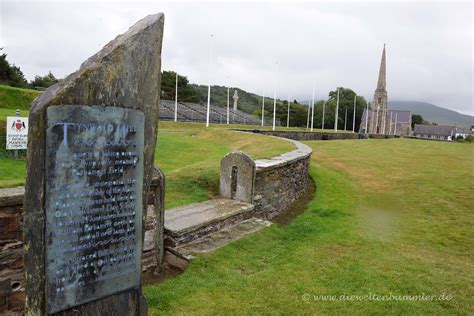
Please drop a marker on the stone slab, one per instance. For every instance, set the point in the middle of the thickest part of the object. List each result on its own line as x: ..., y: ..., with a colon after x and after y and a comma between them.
x: 302, y: 151
x: 93, y: 203
x: 175, y: 260
x: 125, y: 73
x: 237, y: 177
x: 212, y: 242
x: 11, y: 196
x: 187, y: 218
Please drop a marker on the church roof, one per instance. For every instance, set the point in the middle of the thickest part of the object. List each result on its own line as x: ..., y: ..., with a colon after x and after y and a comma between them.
x: 402, y: 116
x: 464, y: 131
x: 434, y: 129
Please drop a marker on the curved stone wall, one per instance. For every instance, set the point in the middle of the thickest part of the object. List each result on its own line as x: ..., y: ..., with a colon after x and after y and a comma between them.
x: 279, y: 181
x: 305, y: 135
x: 271, y: 185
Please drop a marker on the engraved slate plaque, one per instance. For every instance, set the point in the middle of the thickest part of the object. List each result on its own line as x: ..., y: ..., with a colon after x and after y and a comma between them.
x: 94, y: 180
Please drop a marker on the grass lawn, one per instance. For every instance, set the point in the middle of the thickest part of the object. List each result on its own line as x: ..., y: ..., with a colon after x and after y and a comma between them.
x: 11, y: 112
x: 189, y: 155
x: 391, y: 217
x: 16, y: 98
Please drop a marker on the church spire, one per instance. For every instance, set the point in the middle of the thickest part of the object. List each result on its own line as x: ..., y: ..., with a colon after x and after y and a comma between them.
x: 382, y: 84
x: 379, y: 106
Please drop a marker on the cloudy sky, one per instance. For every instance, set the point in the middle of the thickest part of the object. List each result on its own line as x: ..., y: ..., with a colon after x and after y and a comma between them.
x: 337, y: 43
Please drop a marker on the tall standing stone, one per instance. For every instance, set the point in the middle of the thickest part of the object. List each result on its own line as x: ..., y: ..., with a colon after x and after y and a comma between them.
x: 92, y: 139
x: 237, y: 178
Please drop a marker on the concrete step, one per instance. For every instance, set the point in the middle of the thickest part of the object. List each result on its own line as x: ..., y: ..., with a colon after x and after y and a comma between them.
x: 214, y: 241
x: 187, y: 223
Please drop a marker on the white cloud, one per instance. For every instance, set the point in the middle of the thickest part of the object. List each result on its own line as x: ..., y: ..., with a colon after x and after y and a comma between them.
x: 429, y: 44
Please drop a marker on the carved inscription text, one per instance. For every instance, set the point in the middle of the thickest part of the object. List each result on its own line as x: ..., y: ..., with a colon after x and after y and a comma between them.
x: 94, y: 179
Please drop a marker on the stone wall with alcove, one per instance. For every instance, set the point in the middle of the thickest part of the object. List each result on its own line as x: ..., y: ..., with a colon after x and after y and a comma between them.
x: 273, y: 184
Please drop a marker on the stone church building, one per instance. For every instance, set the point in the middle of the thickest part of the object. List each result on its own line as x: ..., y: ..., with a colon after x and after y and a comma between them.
x: 381, y: 120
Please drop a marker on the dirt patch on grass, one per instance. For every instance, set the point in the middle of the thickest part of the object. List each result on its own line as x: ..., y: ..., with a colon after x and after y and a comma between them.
x: 383, y: 224
x: 167, y: 272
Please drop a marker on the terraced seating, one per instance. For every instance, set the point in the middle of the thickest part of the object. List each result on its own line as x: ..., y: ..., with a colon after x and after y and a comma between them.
x: 193, y: 112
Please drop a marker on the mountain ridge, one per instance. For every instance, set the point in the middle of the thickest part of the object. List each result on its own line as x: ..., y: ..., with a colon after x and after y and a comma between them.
x: 250, y: 102
x: 433, y: 113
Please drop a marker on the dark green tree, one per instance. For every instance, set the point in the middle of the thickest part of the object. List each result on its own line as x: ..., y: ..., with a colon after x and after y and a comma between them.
x: 346, y: 101
x: 44, y: 81
x: 416, y: 119
x: 186, y: 92
x: 298, y: 113
x: 10, y: 74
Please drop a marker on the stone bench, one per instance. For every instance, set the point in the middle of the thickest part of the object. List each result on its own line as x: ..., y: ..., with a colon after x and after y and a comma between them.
x: 187, y: 223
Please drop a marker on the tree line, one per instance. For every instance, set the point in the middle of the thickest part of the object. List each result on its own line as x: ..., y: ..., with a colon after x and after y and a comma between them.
x: 250, y: 103
x: 11, y: 75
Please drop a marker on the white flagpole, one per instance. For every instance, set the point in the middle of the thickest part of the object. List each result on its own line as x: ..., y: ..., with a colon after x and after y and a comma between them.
x: 354, y: 116
x: 390, y: 126
x: 377, y: 129
x: 263, y: 108
x: 275, y: 96
x: 396, y: 117
x: 312, y: 109
x: 367, y: 117
x: 209, y: 84
x: 336, y: 116
x: 228, y: 104
x: 176, y: 100
x: 307, y: 121
x: 383, y: 122
x: 322, y: 123
x: 288, y: 115
x: 345, y: 120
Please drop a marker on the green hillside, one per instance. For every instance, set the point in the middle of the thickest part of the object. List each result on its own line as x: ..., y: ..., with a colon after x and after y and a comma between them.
x: 17, y: 98
x: 434, y: 113
x: 248, y: 102
x: 252, y: 104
